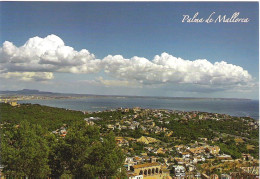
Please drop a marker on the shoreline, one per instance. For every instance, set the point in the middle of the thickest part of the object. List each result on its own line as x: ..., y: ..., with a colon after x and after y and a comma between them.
x: 107, y: 108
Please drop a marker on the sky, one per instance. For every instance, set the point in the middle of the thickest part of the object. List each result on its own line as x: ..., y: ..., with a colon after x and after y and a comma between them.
x: 130, y: 48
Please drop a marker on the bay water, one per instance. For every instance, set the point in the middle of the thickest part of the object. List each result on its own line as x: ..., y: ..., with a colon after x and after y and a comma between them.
x: 233, y: 107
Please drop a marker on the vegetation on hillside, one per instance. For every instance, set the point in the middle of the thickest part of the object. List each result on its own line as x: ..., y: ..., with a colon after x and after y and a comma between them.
x: 30, y: 148
x: 27, y: 149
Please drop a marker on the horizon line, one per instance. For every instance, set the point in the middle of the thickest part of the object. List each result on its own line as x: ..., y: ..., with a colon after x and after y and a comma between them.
x: 138, y: 96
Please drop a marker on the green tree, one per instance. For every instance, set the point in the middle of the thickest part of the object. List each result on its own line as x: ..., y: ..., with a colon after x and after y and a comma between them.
x: 87, y: 154
x: 24, y: 151
x: 106, y: 158
x: 77, y: 146
x: 56, y: 162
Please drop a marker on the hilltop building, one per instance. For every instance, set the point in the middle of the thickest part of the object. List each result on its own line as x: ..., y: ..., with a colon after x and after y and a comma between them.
x: 148, y: 171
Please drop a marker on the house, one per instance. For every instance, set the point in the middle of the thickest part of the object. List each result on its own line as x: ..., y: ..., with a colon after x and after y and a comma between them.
x: 110, y: 126
x: 153, y: 159
x: 224, y: 157
x: 179, y: 171
x: 123, y: 127
x: 149, y: 170
x: 146, y: 158
x: 160, y: 151
x: 165, y: 172
x: 149, y: 148
x: 127, y: 122
x: 214, y: 150
x: 153, y: 124
x: 214, y: 176
x: 200, y: 159
x: 247, y: 157
x: 196, y: 150
x: 169, y: 133
x: 253, y: 171
x: 118, y: 126
x: 146, y: 140
x: 89, y: 122
x: 120, y: 141
x: 185, y: 154
x: 13, y: 103
x: 63, y: 131
x: 136, y: 109
x: 239, y: 140
x: 216, y: 139
x: 179, y: 147
x: 129, y: 161
x: 225, y: 176
x: 92, y: 119
x: 138, y: 160
x: 204, y: 176
x: 132, y: 175
x: 132, y: 127
x: 126, y: 110
x: 179, y: 161
x: 203, y: 139
x: 190, y: 167
x: 197, y: 175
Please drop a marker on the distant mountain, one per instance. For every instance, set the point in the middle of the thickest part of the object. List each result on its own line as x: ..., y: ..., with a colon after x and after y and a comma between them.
x: 28, y: 92
x: 53, y: 94
x: 42, y: 93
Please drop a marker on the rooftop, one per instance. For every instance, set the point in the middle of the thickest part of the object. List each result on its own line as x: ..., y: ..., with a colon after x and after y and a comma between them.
x: 146, y: 165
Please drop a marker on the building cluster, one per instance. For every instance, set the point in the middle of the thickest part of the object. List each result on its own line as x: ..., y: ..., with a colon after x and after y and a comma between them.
x: 11, y: 102
x: 18, y: 97
x: 62, y: 131
x: 159, y: 159
x: 162, y: 160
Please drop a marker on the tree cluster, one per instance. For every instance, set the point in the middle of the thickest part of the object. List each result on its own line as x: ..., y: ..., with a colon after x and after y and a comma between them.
x: 28, y: 150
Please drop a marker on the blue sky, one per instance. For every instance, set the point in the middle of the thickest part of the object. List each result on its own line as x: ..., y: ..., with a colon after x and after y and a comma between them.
x: 142, y: 29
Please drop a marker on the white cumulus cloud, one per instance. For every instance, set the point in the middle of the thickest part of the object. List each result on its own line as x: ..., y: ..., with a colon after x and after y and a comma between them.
x: 166, y: 68
x: 47, y: 54
x: 39, y: 57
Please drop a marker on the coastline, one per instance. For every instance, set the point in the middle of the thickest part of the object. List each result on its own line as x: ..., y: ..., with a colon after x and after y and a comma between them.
x: 102, y: 104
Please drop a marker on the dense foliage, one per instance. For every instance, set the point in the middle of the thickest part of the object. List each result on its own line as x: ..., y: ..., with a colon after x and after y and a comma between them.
x: 29, y: 150
x: 48, y: 117
x: 24, y: 151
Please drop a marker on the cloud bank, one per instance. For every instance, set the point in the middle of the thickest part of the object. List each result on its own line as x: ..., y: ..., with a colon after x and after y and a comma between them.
x: 39, y: 57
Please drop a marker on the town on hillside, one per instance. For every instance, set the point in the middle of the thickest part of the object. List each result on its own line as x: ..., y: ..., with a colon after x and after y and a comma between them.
x: 156, y: 143
x: 177, y: 144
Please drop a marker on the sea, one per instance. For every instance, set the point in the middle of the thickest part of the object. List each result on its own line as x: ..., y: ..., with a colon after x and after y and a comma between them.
x: 233, y: 107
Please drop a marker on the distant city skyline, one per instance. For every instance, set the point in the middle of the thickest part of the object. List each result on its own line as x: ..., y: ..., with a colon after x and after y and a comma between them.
x: 130, y: 48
